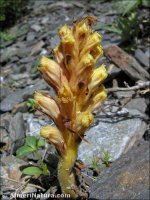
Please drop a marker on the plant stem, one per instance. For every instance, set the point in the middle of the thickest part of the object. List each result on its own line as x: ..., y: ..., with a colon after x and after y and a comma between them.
x: 41, y: 162
x: 66, y: 176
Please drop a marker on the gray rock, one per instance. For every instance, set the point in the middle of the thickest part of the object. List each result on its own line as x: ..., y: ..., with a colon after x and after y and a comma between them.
x: 19, y: 29
x: 116, y: 133
x: 12, y: 163
x: 142, y: 57
x: 24, y: 51
x: 138, y: 103
x: 12, y: 132
x: 36, y: 48
x: 147, y: 52
x: 20, y: 95
x: 45, y: 20
x: 11, y: 173
x: 21, y: 107
x: 127, y: 178
x: 124, y: 94
x: 4, y: 132
x: 30, y: 36
x: 8, y: 53
x: 26, y: 60
x: 36, y: 27
x: 16, y: 131
x: 126, y: 97
x: 4, y: 91
x: 14, y: 59
x: 34, y: 124
x: 17, y: 77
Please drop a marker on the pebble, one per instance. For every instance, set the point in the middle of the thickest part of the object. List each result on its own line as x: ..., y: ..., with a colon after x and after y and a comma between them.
x: 30, y: 36
x: 142, y: 57
x: 36, y: 27
x: 16, y: 132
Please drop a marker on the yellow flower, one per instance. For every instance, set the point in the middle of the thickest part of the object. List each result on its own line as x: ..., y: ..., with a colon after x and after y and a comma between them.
x: 51, y: 72
x: 93, y: 41
x: 54, y: 136
x: 84, y: 120
x: 97, y: 77
x: 99, y: 97
x: 66, y: 102
x: 86, y: 61
x: 47, y: 105
x: 67, y: 39
x: 96, y: 52
x: 65, y: 93
x: 83, y: 30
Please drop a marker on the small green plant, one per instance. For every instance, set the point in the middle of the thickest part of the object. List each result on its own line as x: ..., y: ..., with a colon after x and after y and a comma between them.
x: 106, y: 158
x: 95, y: 163
x: 31, y: 105
x: 128, y: 25
x: 4, y: 37
x: 32, y: 145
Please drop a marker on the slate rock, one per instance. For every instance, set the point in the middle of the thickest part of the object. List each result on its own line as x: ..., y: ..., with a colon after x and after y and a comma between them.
x: 36, y: 27
x: 142, y: 57
x: 20, y: 95
x: 124, y: 94
x: 113, y: 133
x: 17, y: 77
x: 16, y: 132
x: 4, y: 92
x: 5, y: 140
x: 12, y: 132
x: 11, y: 173
x: 21, y: 107
x: 138, y: 103
x: 45, y: 20
x: 34, y: 125
x: 19, y: 29
x: 126, y: 62
x: 127, y: 178
x: 131, y: 100
x: 12, y: 165
x: 36, y: 48
x: 30, y: 36
x: 8, y: 53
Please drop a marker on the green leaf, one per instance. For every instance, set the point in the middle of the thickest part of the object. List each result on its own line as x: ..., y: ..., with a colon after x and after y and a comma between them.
x: 126, y: 6
x: 146, y: 3
x: 31, y: 141
x: 41, y: 143
x: 113, y: 29
x: 31, y: 105
x: 24, y: 150
x: 45, y: 169
x: 33, y: 171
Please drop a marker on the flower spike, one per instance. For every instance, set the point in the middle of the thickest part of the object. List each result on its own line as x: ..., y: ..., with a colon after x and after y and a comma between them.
x: 79, y: 90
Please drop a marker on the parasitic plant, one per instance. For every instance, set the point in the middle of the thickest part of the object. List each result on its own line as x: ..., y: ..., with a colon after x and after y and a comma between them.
x: 79, y: 90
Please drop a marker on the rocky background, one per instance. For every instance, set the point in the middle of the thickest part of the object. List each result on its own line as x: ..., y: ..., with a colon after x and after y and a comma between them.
x: 116, y: 159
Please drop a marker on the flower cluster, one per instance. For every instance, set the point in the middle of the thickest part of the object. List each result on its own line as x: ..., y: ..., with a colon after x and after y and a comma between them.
x: 76, y: 81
